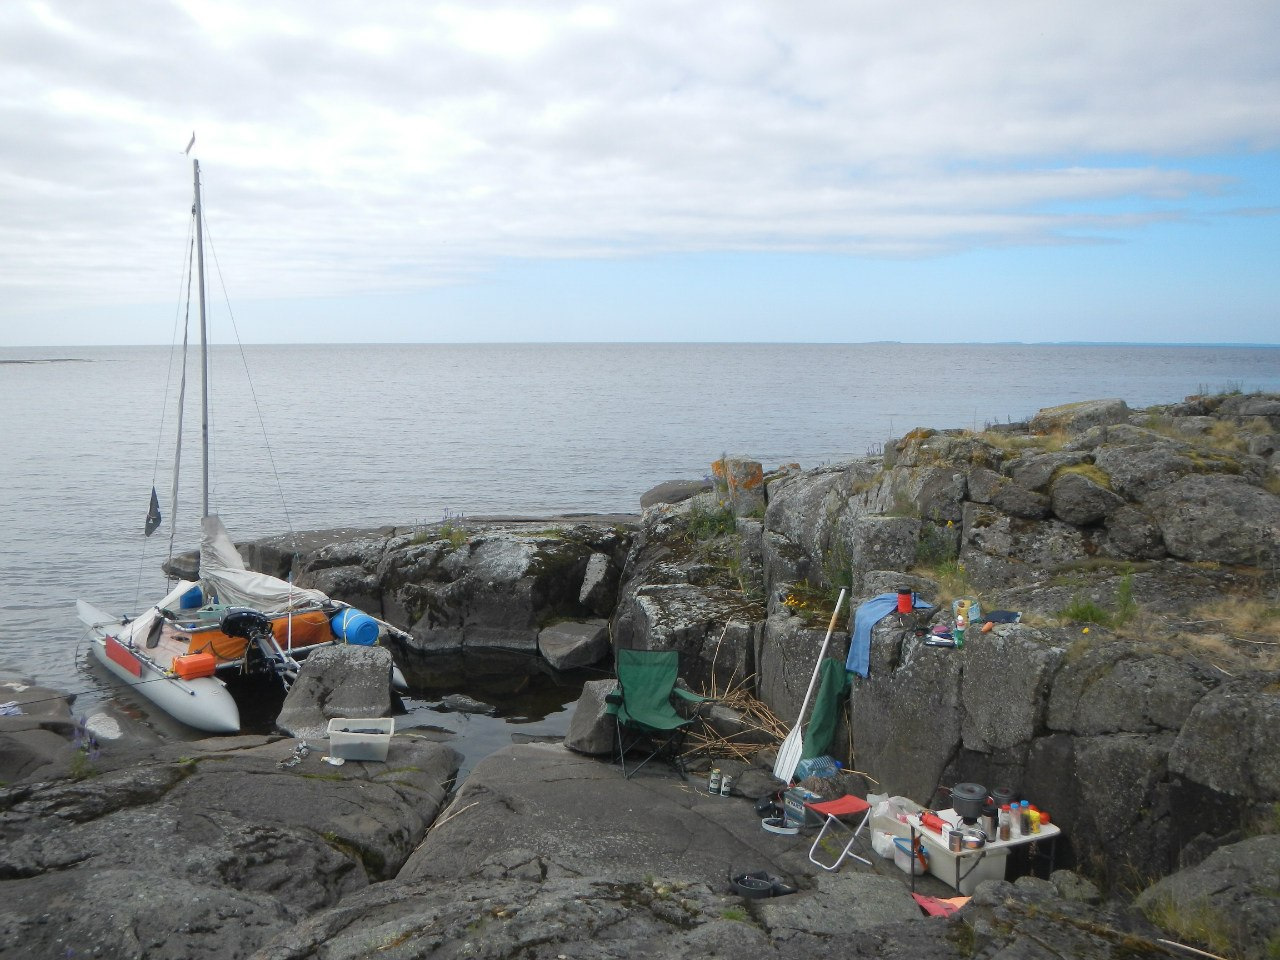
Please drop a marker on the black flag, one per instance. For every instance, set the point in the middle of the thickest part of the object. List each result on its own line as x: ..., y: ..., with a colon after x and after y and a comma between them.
x: 153, y: 515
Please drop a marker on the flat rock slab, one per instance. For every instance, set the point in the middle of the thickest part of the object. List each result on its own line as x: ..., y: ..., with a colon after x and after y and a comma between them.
x: 574, y: 644
x: 540, y: 811
x: 205, y: 849
x: 578, y: 817
x: 844, y: 904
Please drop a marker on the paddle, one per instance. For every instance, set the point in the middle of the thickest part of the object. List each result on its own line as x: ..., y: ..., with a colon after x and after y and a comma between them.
x: 789, y: 753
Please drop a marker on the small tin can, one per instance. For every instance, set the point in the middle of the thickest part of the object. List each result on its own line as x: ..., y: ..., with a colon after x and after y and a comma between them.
x: 955, y: 840
x: 713, y: 783
x: 725, y: 783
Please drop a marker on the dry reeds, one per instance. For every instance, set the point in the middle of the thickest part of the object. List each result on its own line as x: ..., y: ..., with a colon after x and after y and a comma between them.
x: 758, y: 726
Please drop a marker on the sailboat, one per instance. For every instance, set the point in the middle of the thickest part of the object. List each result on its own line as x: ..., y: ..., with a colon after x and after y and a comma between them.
x: 230, y: 620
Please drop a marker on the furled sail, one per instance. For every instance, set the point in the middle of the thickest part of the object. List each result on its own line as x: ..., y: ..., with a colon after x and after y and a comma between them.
x: 223, y: 574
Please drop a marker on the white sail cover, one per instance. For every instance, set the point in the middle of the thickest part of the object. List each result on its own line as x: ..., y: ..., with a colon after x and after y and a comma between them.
x: 140, y: 626
x: 223, y: 574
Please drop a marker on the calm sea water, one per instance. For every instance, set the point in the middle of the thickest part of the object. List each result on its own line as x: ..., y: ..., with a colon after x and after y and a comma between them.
x: 371, y: 435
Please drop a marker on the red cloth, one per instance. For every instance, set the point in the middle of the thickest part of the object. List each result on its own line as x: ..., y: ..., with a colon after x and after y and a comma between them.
x: 938, y: 907
x: 846, y: 806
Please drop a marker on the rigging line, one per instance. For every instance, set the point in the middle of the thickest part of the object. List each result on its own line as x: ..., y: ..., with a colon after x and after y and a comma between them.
x: 253, y: 393
x: 183, y: 315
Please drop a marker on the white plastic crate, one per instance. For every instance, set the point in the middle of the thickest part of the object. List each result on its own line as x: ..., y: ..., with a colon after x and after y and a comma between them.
x: 361, y: 738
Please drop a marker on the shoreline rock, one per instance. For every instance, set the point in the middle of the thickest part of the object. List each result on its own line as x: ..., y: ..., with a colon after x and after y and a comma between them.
x: 1108, y: 529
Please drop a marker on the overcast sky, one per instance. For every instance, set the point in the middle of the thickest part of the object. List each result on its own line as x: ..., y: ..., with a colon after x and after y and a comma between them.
x: 794, y: 171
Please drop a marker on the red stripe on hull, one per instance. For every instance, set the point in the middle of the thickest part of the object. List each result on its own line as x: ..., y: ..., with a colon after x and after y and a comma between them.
x: 118, y: 653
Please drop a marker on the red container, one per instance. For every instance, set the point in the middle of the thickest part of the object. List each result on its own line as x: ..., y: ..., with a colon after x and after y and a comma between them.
x: 195, y: 665
x: 931, y: 821
x: 904, y: 601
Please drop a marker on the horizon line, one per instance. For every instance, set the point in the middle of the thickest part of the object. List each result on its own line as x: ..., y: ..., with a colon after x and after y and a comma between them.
x: 760, y: 343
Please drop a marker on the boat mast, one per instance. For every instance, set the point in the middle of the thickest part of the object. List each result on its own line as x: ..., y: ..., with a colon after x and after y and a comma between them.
x: 204, y: 346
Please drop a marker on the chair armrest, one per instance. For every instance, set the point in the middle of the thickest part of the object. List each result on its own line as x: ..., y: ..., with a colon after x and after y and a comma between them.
x: 688, y: 695
x: 613, y: 699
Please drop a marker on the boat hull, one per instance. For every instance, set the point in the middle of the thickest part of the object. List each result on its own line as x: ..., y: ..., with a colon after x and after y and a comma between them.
x: 203, y: 703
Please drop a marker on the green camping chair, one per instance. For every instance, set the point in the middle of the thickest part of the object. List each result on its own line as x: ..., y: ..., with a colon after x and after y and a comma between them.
x: 641, y: 704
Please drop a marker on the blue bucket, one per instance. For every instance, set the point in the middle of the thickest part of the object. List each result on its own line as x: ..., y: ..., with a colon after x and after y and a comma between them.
x: 193, y: 599
x: 354, y: 627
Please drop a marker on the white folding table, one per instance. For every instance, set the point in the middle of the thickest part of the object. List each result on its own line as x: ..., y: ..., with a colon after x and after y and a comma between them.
x: 964, y: 869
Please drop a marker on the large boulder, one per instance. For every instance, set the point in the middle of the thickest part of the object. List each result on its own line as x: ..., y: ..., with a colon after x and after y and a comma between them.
x: 1005, y: 688
x: 1020, y: 502
x: 710, y: 626
x: 1080, y: 416
x: 1125, y: 687
x: 493, y: 584
x: 1226, y: 903
x: 804, y: 508
x: 673, y: 491
x: 573, y: 644
x: 599, y: 591
x: 338, y: 681
x: 1078, y: 498
x: 35, y: 731
x: 1121, y: 822
x: 1036, y: 471
x: 740, y: 482
x: 878, y: 543
x: 1133, y: 534
x: 592, y: 729
x: 1228, y: 741
x: 907, y: 722
x: 997, y: 548
x: 1140, y: 468
x: 788, y: 652
x: 1218, y: 519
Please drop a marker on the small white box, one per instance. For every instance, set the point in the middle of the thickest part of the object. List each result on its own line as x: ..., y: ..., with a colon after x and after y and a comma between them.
x: 361, y: 738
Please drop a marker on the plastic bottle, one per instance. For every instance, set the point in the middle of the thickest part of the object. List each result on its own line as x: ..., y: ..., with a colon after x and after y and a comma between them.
x: 959, y: 632
x: 1025, y: 813
x: 818, y: 767
x: 1005, y: 825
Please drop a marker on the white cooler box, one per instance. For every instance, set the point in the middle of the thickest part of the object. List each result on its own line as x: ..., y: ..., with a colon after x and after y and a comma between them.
x: 990, y: 867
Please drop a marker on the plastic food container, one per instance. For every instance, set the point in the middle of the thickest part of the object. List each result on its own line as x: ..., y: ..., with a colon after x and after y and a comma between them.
x: 906, y: 861
x: 361, y: 738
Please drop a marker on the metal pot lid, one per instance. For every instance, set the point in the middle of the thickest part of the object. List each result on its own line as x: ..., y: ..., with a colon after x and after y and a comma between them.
x: 975, y: 792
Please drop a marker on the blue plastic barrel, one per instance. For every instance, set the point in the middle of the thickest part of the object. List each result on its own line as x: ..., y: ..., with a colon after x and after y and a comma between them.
x: 192, y: 599
x: 355, y: 627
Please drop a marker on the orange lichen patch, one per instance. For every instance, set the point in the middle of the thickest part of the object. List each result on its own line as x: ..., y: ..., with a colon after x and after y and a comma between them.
x: 745, y: 475
x: 919, y: 433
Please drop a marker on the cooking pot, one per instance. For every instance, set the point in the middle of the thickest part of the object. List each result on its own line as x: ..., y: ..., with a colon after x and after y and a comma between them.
x: 972, y: 838
x: 967, y: 800
x: 1003, y: 795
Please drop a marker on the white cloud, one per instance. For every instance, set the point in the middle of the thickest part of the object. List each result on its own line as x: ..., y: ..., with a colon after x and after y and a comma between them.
x: 366, y: 147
